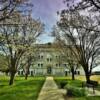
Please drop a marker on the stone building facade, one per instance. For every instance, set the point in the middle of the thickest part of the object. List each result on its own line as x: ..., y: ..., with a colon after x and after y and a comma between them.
x: 49, y: 61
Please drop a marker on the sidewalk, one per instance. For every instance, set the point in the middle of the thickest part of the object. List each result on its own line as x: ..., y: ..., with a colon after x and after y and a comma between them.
x: 50, y: 91
x: 97, y: 93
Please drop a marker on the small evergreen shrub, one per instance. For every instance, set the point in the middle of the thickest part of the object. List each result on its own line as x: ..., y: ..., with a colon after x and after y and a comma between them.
x: 62, y: 84
x: 94, y: 83
x: 75, y: 91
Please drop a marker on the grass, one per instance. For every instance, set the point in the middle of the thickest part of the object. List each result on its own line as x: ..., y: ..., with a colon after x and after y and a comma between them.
x: 78, y: 80
x: 93, y: 77
x: 96, y: 78
x: 22, y: 89
x: 77, y: 83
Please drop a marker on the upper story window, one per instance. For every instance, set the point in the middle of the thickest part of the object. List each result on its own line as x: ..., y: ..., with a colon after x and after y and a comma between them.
x: 65, y: 65
x: 57, y: 65
x: 40, y: 64
x: 49, y: 59
x: 57, y: 56
x: 77, y: 72
x: 40, y: 56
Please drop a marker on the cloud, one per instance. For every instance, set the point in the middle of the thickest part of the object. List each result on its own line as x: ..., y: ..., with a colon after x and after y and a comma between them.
x: 46, y: 10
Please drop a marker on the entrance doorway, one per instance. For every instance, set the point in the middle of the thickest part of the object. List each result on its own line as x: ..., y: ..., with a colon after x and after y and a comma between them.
x: 49, y: 70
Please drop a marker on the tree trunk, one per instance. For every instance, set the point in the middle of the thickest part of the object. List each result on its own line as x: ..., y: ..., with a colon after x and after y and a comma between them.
x: 26, y: 76
x: 26, y: 73
x: 12, y: 75
x: 87, y: 75
x: 73, y: 73
x: 73, y: 76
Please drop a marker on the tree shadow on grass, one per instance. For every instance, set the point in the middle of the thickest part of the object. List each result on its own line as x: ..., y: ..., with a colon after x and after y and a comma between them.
x: 21, y: 90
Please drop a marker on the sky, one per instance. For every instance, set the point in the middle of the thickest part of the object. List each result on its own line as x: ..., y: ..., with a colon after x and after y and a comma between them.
x: 46, y: 11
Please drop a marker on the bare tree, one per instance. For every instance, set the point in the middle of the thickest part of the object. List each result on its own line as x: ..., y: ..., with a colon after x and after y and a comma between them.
x: 66, y: 52
x: 9, y: 7
x: 84, y: 35
x: 83, y: 4
x: 70, y: 59
x: 3, y: 63
x: 16, y: 38
x: 28, y: 62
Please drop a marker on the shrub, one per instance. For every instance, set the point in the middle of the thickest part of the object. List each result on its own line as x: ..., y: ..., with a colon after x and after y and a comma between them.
x: 75, y: 91
x: 62, y: 84
x: 94, y: 83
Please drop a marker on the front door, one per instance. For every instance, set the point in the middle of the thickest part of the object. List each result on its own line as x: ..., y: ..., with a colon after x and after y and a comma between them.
x: 49, y: 70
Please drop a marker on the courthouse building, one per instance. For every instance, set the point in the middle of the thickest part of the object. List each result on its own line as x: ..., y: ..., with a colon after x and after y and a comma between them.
x: 50, y: 61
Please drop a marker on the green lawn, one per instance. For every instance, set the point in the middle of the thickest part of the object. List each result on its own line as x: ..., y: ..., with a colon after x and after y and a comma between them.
x: 75, y: 83
x: 22, y: 89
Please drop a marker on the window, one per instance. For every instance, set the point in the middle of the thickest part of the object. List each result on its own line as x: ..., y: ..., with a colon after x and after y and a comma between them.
x: 18, y: 72
x: 56, y: 65
x: 21, y: 72
x: 40, y: 65
x: 66, y: 73
x: 31, y: 73
x: 58, y: 56
x: 65, y: 65
x: 59, y: 65
x: 78, y: 72
x: 40, y: 56
x: 49, y: 59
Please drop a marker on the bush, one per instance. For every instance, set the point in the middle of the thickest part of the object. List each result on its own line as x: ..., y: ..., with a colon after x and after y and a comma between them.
x: 75, y: 91
x: 94, y: 83
x: 62, y: 84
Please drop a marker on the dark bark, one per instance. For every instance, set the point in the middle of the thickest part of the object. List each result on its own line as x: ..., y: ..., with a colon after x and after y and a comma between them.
x: 27, y: 68
x: 73, y: 76
x: 26, y: 72
x: 87, y: 73
x: 12, y: 69
x: 12, y: 75
x: 26, y: 76
x: 73, y: 73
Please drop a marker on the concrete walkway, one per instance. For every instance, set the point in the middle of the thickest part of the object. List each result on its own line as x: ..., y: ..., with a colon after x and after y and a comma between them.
x: 50, y: 91
x: 90, y: 92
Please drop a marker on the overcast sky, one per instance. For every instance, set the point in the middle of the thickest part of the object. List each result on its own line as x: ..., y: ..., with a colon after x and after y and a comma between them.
x: 46, y: 11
